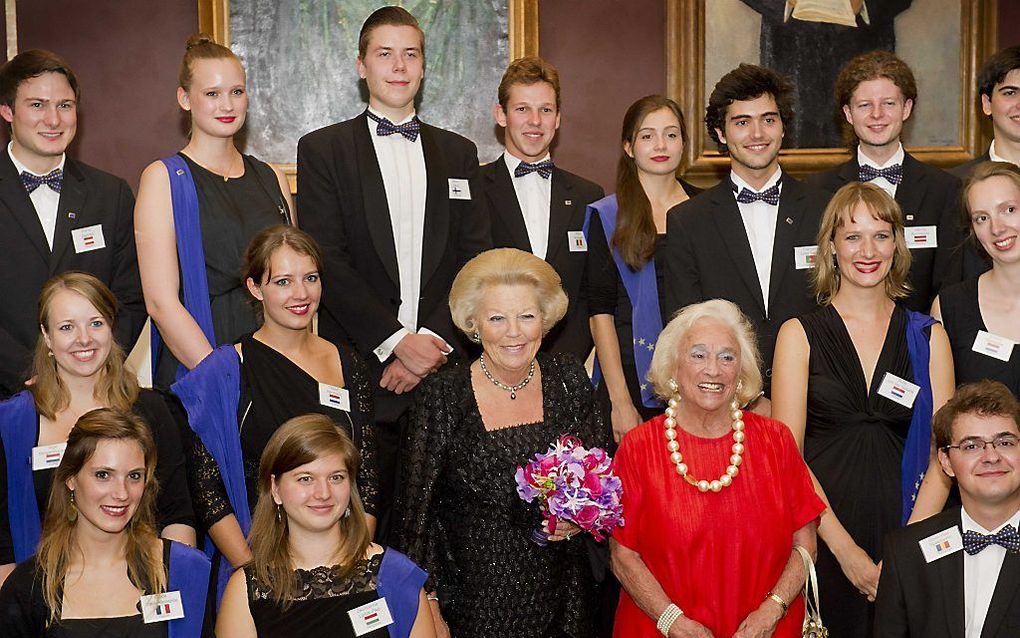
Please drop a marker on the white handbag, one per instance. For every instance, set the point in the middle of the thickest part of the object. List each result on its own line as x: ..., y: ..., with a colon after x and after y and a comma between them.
x: 813, y: 627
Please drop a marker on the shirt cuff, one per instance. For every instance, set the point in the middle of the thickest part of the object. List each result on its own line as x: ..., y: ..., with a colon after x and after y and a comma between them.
x: 385, y: 349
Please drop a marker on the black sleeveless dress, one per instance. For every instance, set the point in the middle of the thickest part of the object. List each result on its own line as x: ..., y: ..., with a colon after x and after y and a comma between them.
x: 961, y: 316
x: 854, y: 445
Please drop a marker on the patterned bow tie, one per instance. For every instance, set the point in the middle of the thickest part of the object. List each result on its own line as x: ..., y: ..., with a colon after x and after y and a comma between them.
x: 52, y: 179
x: 770, y: 195
x: 893, y: 174
x: 543, y: 168
x: 409, y: 129
x: 974, y: 542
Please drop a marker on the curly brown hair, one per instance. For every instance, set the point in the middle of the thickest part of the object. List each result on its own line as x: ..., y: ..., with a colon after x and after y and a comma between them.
x: 873, y: 65
x: 746, y: 82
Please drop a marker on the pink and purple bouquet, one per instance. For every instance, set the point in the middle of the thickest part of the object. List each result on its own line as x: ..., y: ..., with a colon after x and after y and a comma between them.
x: 574, y: 484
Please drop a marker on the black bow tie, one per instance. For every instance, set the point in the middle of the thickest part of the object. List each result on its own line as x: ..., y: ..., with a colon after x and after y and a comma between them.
x: 769, y: 195
x: 543, y: 168
x: 974, y: 542
x: 52, y: 179
x: 893, y: 174
x: 409, y: 129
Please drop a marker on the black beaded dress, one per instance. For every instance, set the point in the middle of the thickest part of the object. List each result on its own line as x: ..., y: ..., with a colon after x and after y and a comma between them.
x: 231, y: 212
x: 854, y: 443
x: 467, y: 527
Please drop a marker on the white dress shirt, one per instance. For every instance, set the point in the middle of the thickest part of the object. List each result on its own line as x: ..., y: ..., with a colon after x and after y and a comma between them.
x: 534, y: 193
x: 995, y: 157
x: 881, y: 182
x: 980, y: 573
x: 44, y: 199
x: 760, y: 225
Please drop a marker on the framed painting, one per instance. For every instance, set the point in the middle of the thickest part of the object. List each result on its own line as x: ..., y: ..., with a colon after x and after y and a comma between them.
x: 300, y: 59
x: 705, y: 39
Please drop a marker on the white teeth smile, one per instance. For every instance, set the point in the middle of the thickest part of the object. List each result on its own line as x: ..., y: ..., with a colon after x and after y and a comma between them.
x: 115, y: 510
x: 1005, y: 243
x: 84, y: 355
x: 711, y: 387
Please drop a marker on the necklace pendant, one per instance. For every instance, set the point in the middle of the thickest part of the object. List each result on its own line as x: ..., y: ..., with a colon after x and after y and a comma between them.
x: 513, y: 395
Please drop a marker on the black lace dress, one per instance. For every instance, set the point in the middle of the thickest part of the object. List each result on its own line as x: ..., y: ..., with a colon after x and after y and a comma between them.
x: 274, y: 389
x: 467, y: 527
x: 320, y: 605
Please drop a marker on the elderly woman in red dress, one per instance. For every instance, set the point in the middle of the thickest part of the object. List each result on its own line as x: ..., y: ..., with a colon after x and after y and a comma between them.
x: 715, y: 498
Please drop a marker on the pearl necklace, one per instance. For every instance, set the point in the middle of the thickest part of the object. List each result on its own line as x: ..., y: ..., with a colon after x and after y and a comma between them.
x: 512, y: 389
x: 678, y: 460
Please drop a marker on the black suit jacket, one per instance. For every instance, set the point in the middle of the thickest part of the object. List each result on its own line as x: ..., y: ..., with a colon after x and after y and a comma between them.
x: 964, y: 170
x: 708, y: 256
x: 928, y: 196
x: 925, y: 600
x: 88, y: 197
x: 342, y: 203
x: 570, y: 197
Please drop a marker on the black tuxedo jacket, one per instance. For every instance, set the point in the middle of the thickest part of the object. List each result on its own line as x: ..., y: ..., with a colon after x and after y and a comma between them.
x: 708, y: 256
x: 928, y: 196
x: 342, y: 203
x: 88, y: 197
x: 925, y: 600
x: 569, y: 199
x: 964, y: 170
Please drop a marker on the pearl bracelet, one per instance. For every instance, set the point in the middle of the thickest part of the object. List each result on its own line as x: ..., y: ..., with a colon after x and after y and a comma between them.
x: 668, y: 617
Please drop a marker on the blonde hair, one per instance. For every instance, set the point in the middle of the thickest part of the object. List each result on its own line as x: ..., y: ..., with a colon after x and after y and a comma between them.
x: 720, y: 311
x: 825, y: 276
x: 59, y: 542
x: 117, y: 386
x: 201, y: 46
x: 298, y: 441
x: 507, y: 267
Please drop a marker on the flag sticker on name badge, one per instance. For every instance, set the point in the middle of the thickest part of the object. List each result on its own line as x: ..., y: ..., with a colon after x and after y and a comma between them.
x: 162, y: 607
x: 576, y: 241
x: 899, y: 390
x: 45, y: 457
x: 993, y: 346
x: 370, y: 616
x: 921, y: 236
x: 334, y: 397
x: 948, y: 541
x: 459, y: 189
x: 88, y: 238
x: 804, y: 257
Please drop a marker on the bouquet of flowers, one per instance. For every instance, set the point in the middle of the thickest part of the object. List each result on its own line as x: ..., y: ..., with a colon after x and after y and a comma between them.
x: 573, y: 484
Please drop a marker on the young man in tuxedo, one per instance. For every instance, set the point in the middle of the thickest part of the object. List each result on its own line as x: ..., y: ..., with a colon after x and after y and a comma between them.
x: 876, y: 93
x: 392, y: 201
x: 999, y: 87
x: 750, y: 239
x: 534, y: 205
x: 56, y: 213
x: 957, y: 574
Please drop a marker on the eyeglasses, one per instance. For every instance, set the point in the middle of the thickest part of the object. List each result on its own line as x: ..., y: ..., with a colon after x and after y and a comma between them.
x: 975, y: 446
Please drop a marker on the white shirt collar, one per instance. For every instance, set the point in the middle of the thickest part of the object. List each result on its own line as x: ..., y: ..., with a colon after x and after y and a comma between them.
x: 995, y: 157
x: 897, y: 158
x: 512, y: 161
x: 381, y: 116
x: 741, y: 184
x: 969, y: 524
x: 19, y: 167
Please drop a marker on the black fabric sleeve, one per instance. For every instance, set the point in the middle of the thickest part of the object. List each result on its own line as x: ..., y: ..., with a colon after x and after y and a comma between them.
x: 209, y: 500
x: 600, y: 274
x: 22, y: 610
x: 173, y: 503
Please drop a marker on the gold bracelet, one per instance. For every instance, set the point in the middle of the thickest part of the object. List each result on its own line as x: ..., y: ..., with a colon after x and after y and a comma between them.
x: 775, y: 597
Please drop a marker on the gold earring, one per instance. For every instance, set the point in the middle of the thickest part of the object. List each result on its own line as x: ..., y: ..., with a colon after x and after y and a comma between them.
x: 72, y: 512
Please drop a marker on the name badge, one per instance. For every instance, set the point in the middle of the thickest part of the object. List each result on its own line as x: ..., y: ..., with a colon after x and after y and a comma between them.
x: 804, y: 257
x: 47, y: 457
x: 993, y: 346
x: 576, y: 241
x: 334, y: 397
x: 899, y: 390
x: 88, y: 238
x: 948, y: 541
x: 459, y: 189
x: 370, y: 617
x: 921, y: 236
x: 162, y: 607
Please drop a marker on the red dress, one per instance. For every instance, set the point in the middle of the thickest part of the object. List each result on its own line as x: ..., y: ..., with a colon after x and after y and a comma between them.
x: 716, y: 555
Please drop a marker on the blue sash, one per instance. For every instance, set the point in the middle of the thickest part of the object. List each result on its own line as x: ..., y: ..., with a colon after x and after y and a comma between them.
x: 643, y: 292
x: 189, y: 574
x: 210, y: 394
x: 18, y: 419
x: 400, y: 582
x: 917, y: 449
x: 190, y: 255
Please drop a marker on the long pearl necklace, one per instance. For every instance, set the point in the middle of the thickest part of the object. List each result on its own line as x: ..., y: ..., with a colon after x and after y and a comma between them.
x: 512, y: 389
x: 678, y: 460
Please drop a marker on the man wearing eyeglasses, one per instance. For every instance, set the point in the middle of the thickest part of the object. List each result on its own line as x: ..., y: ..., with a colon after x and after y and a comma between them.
x: 958, y: 573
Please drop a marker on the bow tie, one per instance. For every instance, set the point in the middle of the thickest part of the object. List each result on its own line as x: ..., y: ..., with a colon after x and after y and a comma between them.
x: 409, y: 129
x: 974, y: 542
x: 893, y: 174
x: 51, y: 179
x: 543, y: 168
x: 769, y: 195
